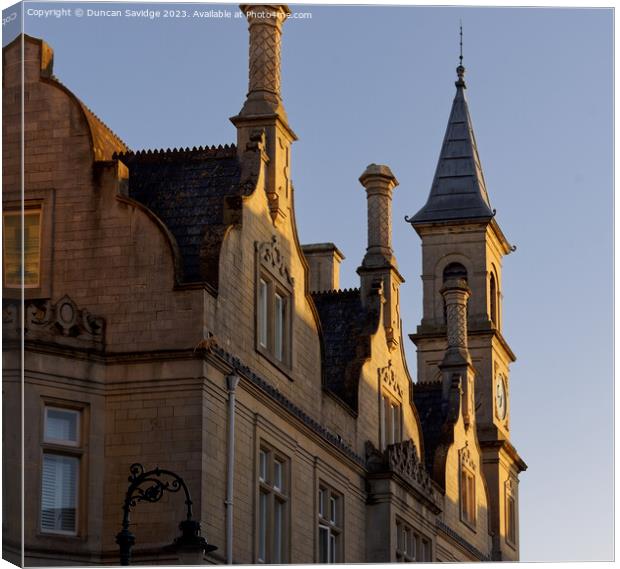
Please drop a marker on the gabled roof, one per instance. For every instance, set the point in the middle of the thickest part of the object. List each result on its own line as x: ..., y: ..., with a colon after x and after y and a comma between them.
x: 188, y: 190
x: 458, y: 190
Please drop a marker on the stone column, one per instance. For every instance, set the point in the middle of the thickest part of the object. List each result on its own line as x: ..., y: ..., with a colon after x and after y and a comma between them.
x: 265, y: 26
x: 379, y: 183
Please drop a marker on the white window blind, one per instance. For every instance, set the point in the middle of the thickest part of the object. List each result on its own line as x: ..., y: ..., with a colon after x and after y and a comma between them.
x: 59, y: 493
x: 61, y: 425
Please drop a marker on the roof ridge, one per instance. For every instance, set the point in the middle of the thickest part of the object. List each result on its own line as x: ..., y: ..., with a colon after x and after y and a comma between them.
x: 226, y: 150
x: 337, y: 291
x: 89, y: 110
x: 427, y: 385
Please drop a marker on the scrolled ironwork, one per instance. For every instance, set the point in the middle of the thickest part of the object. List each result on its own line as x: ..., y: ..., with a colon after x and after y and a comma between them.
x: 150, y: 486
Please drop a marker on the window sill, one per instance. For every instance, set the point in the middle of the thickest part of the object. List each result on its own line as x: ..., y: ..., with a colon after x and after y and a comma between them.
x: 470, y: 525
x: 281, y: 366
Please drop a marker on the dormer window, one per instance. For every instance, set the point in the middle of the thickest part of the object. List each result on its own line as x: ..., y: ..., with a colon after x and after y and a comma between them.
x: 274, y: 305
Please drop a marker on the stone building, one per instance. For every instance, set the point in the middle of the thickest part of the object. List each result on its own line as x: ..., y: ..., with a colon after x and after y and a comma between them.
x: 170, y: 310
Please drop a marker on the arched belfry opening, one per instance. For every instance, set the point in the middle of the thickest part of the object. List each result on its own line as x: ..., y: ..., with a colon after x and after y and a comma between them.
x: 454, y: 271
x: 493, y: 295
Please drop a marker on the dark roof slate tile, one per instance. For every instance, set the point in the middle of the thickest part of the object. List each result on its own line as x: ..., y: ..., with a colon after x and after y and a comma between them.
x: 346, y: 326
x: 432, y: 412
x: 187, y: 190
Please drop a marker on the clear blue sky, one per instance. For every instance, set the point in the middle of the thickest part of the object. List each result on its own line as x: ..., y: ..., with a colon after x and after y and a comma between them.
x: 375, y: 84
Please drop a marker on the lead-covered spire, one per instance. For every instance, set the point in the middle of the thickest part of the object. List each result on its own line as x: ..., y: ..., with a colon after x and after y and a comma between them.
x: 458, y: 191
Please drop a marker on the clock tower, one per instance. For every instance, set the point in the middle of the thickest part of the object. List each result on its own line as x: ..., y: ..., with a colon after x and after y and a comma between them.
x: 461, y: 239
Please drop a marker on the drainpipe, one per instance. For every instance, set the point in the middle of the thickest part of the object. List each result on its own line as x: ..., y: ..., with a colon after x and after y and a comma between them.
x: 232, y: 381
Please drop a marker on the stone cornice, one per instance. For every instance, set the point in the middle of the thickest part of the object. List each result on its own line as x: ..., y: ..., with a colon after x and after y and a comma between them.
x: 507, y: 447
x: 430, y: 333
x: 236, y: 365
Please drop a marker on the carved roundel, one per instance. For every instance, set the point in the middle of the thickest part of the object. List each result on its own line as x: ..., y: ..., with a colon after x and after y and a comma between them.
x: 66, y: 312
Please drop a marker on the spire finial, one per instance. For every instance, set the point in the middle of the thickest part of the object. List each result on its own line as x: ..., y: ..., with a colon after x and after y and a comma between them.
x: 460, y: 70
x: 461, y: 42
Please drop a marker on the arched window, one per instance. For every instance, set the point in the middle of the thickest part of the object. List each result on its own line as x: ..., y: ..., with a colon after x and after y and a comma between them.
x: 493, y: 295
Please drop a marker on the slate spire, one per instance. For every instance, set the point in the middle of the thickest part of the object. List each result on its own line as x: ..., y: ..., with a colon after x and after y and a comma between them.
x: 458, y: 191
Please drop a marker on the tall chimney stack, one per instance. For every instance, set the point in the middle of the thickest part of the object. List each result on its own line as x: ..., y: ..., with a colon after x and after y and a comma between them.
x: 379, y: 263
x: 457, y: 360
x: 379, y: 183
x: 263, y: 110
x: 456, y: 293
x: 265, y: 25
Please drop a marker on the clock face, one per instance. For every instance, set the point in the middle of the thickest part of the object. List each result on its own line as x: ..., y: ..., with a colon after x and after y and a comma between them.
x: 500, y: 397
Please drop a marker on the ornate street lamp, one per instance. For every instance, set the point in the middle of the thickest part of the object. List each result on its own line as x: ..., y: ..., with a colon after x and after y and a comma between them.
x: 150, y: 487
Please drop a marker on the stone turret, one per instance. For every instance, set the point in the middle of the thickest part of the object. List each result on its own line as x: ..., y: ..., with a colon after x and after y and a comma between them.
x: 379, y: 264
x: 263, y: 110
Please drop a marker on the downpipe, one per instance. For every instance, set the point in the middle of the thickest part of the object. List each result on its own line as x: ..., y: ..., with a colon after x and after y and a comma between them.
x: 232, y: 381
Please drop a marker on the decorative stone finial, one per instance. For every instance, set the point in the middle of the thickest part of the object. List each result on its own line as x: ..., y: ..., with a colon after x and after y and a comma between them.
x: 460, y: 70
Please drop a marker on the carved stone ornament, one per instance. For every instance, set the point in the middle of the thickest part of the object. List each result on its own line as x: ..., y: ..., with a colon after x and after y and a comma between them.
x: 270, y: 256
x: 466, y: 457
x: 387, y: 378
x: 511, y: 486
x: 64, y: 323
x: 403, y: 459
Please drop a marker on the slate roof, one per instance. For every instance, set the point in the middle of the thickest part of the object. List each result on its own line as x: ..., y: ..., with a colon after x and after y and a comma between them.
x: 187, y: 190
x: 346, y: 327
x: 458, y: 190
x: 432, y: 412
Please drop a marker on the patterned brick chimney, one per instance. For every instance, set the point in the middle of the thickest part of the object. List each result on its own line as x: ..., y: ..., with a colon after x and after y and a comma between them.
x: 265, y: 25
x: 379, y: 263
x: 263, y: 109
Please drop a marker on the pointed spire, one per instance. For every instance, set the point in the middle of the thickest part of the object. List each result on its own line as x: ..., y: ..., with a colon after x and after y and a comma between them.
x: 458, y: 191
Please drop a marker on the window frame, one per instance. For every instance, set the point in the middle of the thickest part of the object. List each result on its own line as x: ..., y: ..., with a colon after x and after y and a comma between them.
x: 334, y: 528
x: 42, y: 200
x: 387, y: 404
x: 14, y: 213
x: 418, y: 547
x: 467, y: 497
x: 274, y: 495
x: 55, y: 447
x: 510, y: 496
x: 276, y: 286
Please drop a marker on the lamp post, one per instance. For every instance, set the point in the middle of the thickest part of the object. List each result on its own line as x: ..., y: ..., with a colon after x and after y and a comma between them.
x: 150, y: 486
